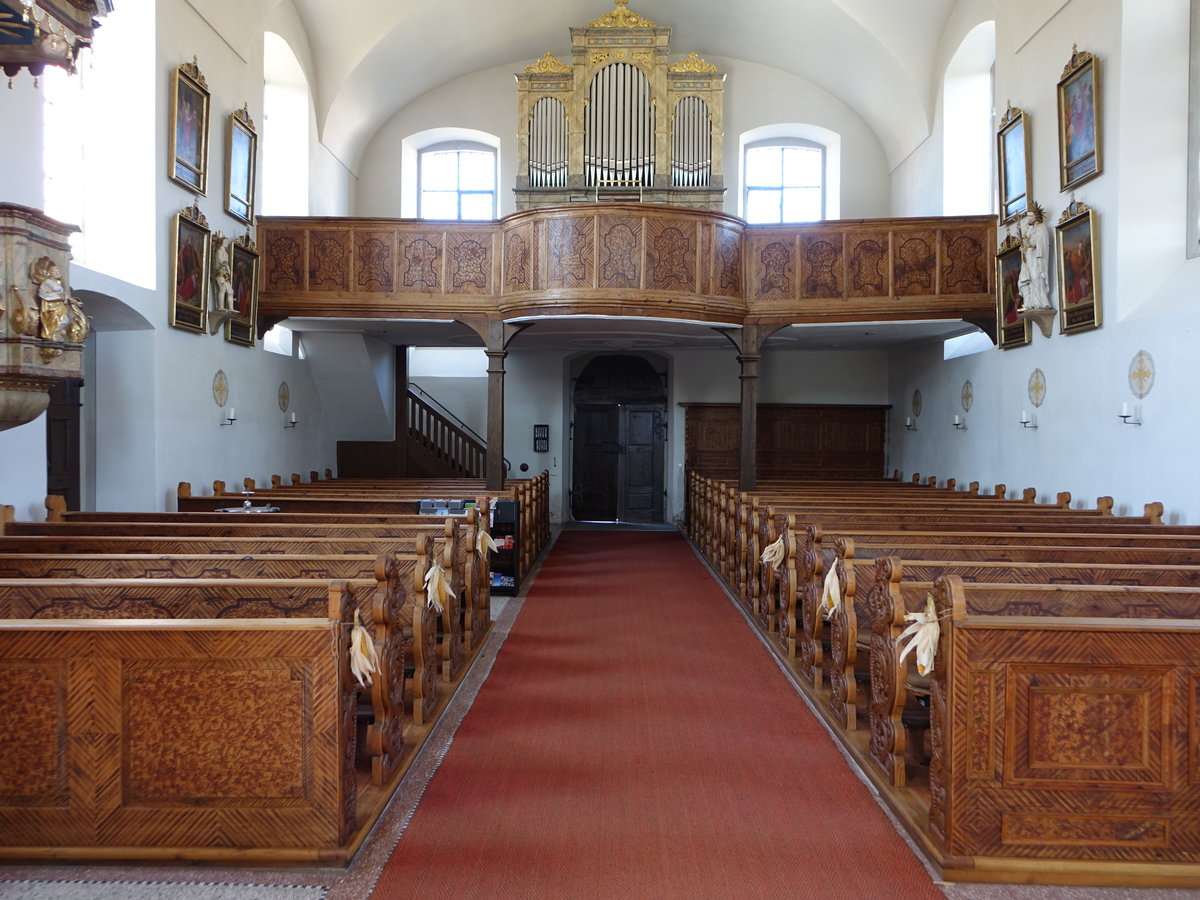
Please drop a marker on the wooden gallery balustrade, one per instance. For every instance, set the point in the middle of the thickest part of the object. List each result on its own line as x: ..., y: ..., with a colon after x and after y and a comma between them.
x: 630, y: 259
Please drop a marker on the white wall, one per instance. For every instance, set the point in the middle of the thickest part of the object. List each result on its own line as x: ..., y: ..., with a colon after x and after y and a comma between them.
x: 1148, y: 290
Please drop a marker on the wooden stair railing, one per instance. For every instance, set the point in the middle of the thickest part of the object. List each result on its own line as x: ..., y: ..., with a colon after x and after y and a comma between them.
x: 461, y: 453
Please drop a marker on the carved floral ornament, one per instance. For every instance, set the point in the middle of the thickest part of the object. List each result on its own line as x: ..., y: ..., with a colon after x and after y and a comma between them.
x: 693, y: 64
x: 549, y: 65
x: 621, y: 17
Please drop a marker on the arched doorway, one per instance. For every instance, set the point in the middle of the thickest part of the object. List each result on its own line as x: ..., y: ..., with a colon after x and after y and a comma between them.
x: 619, y: 418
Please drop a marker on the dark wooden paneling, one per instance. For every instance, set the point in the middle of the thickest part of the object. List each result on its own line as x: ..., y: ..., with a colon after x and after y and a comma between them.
x: 793, y: 440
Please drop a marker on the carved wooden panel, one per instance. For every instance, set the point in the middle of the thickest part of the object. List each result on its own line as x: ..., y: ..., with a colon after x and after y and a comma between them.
x: 712, y: 436
x: 670, y: 254
x: 519, y: 258
x: 964, y: 263
x: 375, y: 261
x: 620, y: 252
x: 329, y: 260
x: 821, y: 264
x: 570, y: 252
x: 285, y: 259
x: 470, y: 262
x: 915, y: 263
x: 868, y: 264
x: 420, y: 262
x: 773, y: 263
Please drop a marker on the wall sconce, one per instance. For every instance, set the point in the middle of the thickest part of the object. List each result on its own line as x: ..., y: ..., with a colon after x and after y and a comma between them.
x: 1028, y: 421
x: 908, y: 423
x: 230, y: 417
x: 1127, y: 417
x: 291, y: 422
x: 959, y: 423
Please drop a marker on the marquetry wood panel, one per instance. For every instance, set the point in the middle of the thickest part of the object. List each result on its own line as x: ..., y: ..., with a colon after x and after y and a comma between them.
x: 773, y: 267
x: 914, y: 265
x: 1093, y: 757
x: 284, y: 258
x: 470, y: 262
x: 793, y: 440
x: 520, y: 259
x: 822, y: 264
x: 375, y: 261
x: 183, y: 737
x: 964, y: 263
x: 727, y: 262
x: 869, y: 264
x: 620, y: 252
x: 33, y: 772
x: 570, y: 252
x: 329, y: 260
x: 420, y: 262
x: 671, y: 255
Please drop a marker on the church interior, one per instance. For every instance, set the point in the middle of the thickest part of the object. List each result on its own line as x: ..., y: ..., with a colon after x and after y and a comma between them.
x: 676, y: 266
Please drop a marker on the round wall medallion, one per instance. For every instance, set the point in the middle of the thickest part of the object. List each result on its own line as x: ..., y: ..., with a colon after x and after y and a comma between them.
x: 220, y: 388
x: 1141, y: 374
x: 1037, y: 387
x: 285, y: 396
x: 916, y: 403
x: 968, y: 396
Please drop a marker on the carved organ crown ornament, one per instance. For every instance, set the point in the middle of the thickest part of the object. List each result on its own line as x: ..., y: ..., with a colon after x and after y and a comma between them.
x: 620, y: 122
x: 36, y: 33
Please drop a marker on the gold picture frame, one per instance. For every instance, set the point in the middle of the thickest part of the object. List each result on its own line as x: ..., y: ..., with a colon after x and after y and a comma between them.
x: 241, y: 155
x: 1011, y: 329
x: 190, y: 248
x: 188, y: 157
x: 1077, y: 257
x: 1013, y: 167
x: 1079, y: 157
x: 240, y: 329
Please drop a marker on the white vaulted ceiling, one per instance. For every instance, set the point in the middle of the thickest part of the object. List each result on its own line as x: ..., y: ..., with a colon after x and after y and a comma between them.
x: 371, y: 58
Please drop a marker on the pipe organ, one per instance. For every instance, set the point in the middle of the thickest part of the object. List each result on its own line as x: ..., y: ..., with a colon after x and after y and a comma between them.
x: 620, y: 122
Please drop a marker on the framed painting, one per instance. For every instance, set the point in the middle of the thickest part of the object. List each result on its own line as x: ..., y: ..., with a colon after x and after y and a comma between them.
x: 239, y: 329
x: 1011, y: 329
x: 1078, y: 284
x: 1078, y: 120
x: 241, y: 151
x: 1013, y: 164
x: 189, y: 267
x: 188, y: 157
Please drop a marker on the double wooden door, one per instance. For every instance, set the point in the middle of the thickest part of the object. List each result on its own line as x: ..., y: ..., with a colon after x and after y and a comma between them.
x: 617, y: 471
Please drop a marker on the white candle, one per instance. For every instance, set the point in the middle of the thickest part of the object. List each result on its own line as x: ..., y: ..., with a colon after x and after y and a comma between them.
x: 1125, y: 408
x: 232, y: 414
x: 1024, y: 415
x: 293, y: 419
x: 908, y: 422
x: 958, y: 420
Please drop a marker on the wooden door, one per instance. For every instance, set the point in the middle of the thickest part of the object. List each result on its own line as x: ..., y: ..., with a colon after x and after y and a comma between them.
x: 62, y: 441
x: 640, y: 466
x: 595, y: 466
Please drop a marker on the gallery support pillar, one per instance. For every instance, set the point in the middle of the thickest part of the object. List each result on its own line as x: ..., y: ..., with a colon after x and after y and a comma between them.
x: 495, y: 334
x: 749, y: 340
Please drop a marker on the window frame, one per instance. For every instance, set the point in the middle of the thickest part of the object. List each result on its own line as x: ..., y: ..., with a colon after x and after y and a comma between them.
x: 823, y: 187
x: 458, y: 147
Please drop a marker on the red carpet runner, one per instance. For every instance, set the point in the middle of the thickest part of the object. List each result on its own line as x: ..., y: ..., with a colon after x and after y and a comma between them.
x: 635, y: 740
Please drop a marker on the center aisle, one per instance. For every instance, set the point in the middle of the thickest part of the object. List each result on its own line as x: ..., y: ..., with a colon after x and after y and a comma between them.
x: 634, y: 739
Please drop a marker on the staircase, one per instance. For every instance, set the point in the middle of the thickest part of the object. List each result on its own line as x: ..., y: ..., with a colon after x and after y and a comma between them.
x: 439, y: 443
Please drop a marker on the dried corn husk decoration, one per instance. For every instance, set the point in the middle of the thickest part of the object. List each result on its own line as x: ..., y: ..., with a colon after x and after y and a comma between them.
x: 437, y: 589
x: 831, y: 593
x: 364, y: 661
x: 485, y: 544
x: 774, y: 555
x: 923, y: 636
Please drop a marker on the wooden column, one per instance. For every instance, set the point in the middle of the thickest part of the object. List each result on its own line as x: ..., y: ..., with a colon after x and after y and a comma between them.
x: 495, y: 334
x: 749, y: 340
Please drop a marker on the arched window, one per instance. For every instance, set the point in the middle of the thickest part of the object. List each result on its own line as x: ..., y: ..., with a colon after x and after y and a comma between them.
x: 784, y: 181
x: 968, y: 133
x: 285, y: 131
x: 458, y: 181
